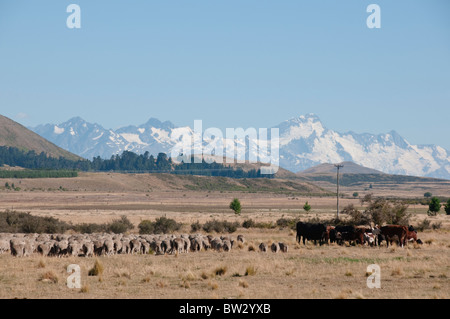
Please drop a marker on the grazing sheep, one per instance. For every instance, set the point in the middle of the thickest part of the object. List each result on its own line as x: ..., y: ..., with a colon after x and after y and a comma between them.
x: 178, y: 245
x: 283, y: 247
x: 109, y: 247
x: 196, y: 244
x: 226, y: 245
x: 187, y: 244
x: 275, y: 248
x: 17, y: 247
x: 4, y: 246
x: 166, y: 246
x: 156, y: 246
x: 135, y: 246
x: 145, y: 247
x: 44, y: 248
x: 216, y: 244
x: 263, y: 247
x: 88, y: 248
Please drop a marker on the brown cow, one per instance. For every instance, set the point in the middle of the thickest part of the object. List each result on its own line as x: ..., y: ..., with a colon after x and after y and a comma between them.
x: 356, y: 235
x: 411, y: 235
x: 390, y: 231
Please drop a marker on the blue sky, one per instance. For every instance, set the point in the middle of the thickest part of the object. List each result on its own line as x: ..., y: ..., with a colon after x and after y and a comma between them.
x: 234, y: 63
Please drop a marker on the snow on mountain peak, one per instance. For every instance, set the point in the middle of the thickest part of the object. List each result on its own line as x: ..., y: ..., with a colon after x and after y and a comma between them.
x: 304, y: 142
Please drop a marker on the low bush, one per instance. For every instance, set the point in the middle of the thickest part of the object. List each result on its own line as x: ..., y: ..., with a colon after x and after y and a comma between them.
x: 220, y: 226
x: 195, y: 227
x: 90, y: 228
x: 15, y: 222
x: 161, y: 225
x: 120, y: 226
x: 248, y: 223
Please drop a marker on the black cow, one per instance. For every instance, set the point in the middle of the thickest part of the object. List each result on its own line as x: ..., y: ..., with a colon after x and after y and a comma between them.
x: 311, y: 231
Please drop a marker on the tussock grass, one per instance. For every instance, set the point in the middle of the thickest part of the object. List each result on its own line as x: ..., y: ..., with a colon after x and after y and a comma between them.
x: 189, y: 276
x: 213, y: 285
x: 250, y: 271
x: 397, y: 271
x: 50, y: 277
x: 97, y: 270
x: 243, y: 283
x: 193, y: 275
x: 84, y: 289
x: 220, y: 271
x: 204, y: 275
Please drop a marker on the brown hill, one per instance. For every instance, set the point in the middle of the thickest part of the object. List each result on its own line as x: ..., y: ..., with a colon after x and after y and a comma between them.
x: 14, y: 134
x: 144, y: 183
x: 349, y: 168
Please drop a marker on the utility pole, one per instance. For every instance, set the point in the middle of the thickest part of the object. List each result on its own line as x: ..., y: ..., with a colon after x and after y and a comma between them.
x: 338, y: 166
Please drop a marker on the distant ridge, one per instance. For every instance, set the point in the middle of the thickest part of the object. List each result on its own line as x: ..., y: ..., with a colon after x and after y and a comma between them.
x: 13, y: 134
x: 349, y: 168
x: 303, y: 143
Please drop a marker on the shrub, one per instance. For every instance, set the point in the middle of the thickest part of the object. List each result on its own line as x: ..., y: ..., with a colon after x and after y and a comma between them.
x: 230, y: 227
x: 146, y: 227
x: 165, y: 225
x: 90, y: 228
x: 284, y: 222
x: 447, y: 207
x: 382, y: 211
x: 425, y: 224
x: 120, y: 226
x: 235, y: 205
x: 15, y: 222
x: 436, y: 226
x: 248, y: 223
x: 307, y: 207
x: 434, y: 207
x: 220, y: 226
x: 161, y: 225
x: 195, y: 227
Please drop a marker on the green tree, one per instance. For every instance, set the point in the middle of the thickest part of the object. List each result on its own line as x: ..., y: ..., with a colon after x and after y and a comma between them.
x: 235, y: 205
x: 355, y: 194
x: 434, y: 207
x: 427, y: 195
x: 307, y: 207
x: 447, y: 207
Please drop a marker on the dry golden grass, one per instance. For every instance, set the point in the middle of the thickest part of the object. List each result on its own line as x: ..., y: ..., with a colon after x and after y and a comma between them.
x: 329, y: 271
x: 307, y: 272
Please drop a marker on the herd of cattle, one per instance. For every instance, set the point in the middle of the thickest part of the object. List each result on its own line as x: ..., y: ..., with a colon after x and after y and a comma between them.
x: 322, y: 233
x: 88, y: 245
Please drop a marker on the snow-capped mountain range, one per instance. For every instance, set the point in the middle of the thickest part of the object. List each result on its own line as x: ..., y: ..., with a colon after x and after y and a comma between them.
x: 303, y: 142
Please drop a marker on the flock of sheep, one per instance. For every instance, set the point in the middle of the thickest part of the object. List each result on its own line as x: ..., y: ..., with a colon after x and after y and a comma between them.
x: 89, y: 245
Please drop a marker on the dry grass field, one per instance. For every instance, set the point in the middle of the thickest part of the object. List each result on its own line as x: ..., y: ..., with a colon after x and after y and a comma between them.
x: 329, y: 271
x: 304, y: 272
